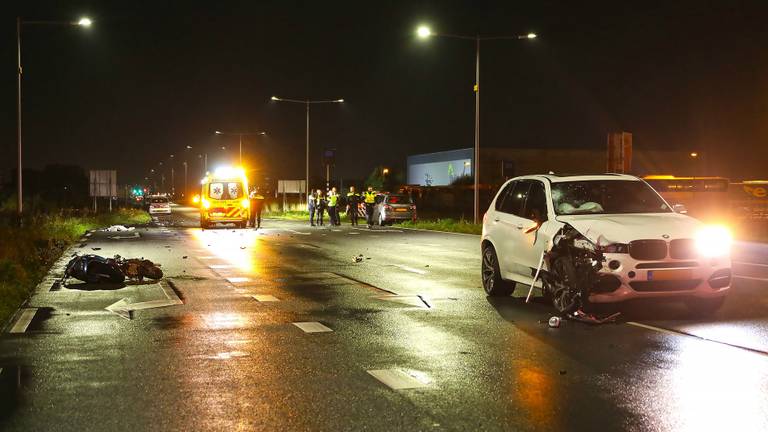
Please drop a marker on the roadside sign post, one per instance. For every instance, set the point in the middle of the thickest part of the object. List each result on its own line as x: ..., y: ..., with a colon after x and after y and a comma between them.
x: 103, y: 183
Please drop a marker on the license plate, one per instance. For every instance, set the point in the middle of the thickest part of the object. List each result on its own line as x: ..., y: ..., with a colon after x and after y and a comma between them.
x: 401, y: 210
x: 678, y: 274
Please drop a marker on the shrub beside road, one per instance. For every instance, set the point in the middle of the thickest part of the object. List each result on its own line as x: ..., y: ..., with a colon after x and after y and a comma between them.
x: 27, y: 253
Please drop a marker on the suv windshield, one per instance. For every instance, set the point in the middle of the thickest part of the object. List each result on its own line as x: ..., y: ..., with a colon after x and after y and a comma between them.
x: 606, y: 197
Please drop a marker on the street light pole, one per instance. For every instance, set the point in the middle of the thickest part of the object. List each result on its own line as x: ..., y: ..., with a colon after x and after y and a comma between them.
x: 476, y: 201
x: 307, y: 102
x: 424, y: 32
x: 19, y: 204
x: 83, y: 22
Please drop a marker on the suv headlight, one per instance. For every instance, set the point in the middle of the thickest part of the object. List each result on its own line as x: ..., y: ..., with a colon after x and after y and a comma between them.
x: 714, y: 240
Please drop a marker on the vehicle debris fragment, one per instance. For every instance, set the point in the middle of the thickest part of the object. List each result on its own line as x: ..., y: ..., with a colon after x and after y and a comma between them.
x: 358, y: 258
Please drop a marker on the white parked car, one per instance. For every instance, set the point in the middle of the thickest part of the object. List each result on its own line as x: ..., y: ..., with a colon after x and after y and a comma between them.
x: 159, y: 205
x: 601, y: 239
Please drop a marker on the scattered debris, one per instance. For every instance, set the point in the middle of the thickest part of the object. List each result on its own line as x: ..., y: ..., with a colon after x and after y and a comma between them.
x: 554, y: 322
x: 358, y: 258
x: 96, y: 248
x: 184, y: 257
x: 242, y: 247
x: 581, y: 316
x: 562, y: 372
x: 118, y: 228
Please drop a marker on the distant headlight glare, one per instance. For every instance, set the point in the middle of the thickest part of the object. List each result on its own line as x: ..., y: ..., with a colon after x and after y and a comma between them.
x: 713, y: 241
x: 206, y: 203
x: 245, y: 203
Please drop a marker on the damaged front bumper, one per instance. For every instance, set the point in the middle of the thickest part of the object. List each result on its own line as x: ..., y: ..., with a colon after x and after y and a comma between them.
x: 624, y: 278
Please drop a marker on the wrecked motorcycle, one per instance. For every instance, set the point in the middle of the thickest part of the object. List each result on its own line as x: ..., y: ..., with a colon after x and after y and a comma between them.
x: 574, y: 263
x: 97, y: 269
x: 93, y: 269
x: 138, y: 268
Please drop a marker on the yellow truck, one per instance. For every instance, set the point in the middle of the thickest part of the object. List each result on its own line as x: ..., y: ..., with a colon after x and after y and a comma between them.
x: 224, y: 198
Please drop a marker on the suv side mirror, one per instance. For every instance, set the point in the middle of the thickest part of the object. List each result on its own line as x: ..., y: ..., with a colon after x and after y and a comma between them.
x: 680, y: 208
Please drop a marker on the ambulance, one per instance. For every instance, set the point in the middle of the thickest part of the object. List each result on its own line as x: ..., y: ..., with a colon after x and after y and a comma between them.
x: 224, y: 198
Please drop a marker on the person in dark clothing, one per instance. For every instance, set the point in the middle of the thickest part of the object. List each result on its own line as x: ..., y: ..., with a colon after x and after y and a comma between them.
x: 320, y: 205
x: 257, y: 205
x: 353, y: 203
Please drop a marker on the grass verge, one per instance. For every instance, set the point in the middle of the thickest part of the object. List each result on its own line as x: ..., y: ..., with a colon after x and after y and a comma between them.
x: 447, y: 225
x: 27, y: 253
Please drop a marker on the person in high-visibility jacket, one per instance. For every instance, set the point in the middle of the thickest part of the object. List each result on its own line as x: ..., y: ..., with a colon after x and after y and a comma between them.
x: 369, y: 199
x: 353, y: 202
x: 257, y: 204
x: 333, y: 209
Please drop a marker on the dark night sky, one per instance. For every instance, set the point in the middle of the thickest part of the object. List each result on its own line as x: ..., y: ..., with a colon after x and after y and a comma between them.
x: 152, y: 77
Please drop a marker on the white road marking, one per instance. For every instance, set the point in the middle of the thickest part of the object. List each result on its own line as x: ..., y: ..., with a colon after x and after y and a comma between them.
x: 21, y: 324
x: 207, y: 257
x: 123, y: 309
x: 378, y: 230
x: 312, y: 327
x: 221, y: 266
x: 410, y: 300
x: 336, y: 230
x: 297, y: 232
x: 750, y: 278
x: 354, y: 233
x: 265, y: 298
x: 411, y: 269
x: 238, y: 279
x: 650, y: 327
x: 397, y: 379
x: 88, y: 234
x: 750, y: 264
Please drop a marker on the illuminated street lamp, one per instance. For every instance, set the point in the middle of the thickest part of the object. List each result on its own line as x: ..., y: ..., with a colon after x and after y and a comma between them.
x: 424, y: 32
x: 694, y: 155
x: 240, y: 134
x: 83, y: 22
x: 306, y: 102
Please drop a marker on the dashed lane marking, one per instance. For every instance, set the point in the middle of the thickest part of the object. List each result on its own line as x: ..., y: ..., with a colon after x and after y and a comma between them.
x: 297, y: 232
x: 674, y: 332
x: 265, y: 298
x: 312, y: 327
x: 25, y: 318
x: 354, y: 233
x: 238, y: 279
x: 397, y: 379
x: 410, y: 269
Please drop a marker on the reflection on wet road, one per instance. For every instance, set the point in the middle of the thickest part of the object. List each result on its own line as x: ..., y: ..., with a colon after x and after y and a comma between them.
x: 285, y: 329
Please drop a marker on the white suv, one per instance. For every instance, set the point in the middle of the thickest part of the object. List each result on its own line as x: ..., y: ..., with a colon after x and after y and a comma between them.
x: 601, y: 239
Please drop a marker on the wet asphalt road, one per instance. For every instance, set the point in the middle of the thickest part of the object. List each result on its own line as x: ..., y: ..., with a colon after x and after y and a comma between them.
x: 412, y: 310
